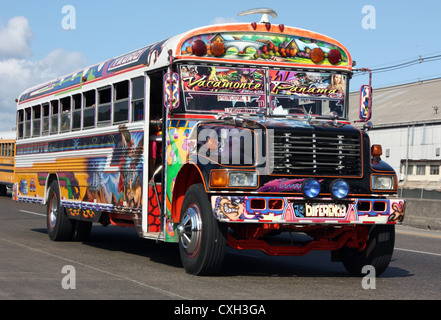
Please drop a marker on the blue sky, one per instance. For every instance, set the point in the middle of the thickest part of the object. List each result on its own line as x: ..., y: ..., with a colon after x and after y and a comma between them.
x: 34, y: 47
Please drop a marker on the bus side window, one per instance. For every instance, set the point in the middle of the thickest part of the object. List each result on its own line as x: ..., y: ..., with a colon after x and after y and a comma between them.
x: 138, y: 85
x: 121, y: 102
x: 76, y: 112
x: 89, y: 109
x: 20, y: 123
x: 45, y: 129
x: 27, y: 123
x: 54, y: 117
x: 36, y: 121
x: 104, y: 103
x: 65, y: 114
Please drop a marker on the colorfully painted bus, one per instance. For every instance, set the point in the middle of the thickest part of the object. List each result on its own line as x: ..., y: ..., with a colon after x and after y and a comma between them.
x: 7, y: 151
x: 227, y: 135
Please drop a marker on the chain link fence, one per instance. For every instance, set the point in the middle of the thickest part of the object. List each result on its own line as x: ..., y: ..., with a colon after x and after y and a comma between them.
x: 419, y: 193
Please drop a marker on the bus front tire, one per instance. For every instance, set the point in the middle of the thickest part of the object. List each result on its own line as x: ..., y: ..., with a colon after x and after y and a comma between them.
x: 377, y: 252
x: 59, y: 227
x: 202, y: 239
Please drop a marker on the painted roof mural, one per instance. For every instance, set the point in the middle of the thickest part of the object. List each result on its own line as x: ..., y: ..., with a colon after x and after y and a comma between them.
x: 265, y: 47
x: 138, y: 58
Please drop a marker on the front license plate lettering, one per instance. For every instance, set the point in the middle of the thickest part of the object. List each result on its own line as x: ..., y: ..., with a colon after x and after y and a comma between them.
x: 318, y: 210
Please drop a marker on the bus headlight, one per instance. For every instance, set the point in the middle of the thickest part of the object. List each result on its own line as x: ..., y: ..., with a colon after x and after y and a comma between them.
x: 243, y: 179
x: 221, y: 178
x: 382, y: 182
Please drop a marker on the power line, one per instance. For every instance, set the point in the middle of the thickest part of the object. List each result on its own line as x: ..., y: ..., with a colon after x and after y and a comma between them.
x: 406, y: 64
x: 402, y: 60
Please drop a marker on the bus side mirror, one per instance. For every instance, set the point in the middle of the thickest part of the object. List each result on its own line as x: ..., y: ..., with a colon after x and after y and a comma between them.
x: 365, y: 102
x: 171, y: 90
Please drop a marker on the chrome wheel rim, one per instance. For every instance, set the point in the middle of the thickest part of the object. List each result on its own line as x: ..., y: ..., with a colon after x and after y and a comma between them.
x: 189, y: 230
x: 53, y: 212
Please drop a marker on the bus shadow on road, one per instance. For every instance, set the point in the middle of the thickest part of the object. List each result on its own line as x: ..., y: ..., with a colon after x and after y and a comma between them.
x: 236, y: 262
x: 127, y: 240
x: 314, y: 264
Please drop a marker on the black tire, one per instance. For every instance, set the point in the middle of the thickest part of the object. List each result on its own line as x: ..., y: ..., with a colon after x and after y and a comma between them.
x: 377, y: 253
x: 59, y: 227
x: 202, y: 239
x: 3, y: 190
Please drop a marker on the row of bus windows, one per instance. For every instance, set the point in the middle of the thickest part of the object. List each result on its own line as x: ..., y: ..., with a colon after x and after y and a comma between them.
x: 119, y: 103
x: 6, y: 149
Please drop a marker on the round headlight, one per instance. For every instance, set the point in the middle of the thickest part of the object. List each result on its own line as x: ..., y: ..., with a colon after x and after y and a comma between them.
x: 339, y: 189
x: 311, y: 188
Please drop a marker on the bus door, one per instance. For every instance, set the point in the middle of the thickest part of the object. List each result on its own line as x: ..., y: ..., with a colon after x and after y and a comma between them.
x: 153, y: 154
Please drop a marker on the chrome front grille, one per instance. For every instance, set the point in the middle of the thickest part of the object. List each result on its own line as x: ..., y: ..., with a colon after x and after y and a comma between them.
x: 314, y: 153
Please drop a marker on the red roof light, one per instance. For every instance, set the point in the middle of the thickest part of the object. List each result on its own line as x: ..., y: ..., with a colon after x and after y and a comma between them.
x: 334, y: 56
x: 199, y: 48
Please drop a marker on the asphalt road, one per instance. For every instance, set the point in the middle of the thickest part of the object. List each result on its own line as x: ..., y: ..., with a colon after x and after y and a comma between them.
x: 116, y: 264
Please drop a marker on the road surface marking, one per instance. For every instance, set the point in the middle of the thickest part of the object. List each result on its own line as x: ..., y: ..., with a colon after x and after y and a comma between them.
x: 34, y: 213
x: 174, y: 295
x: 416, y: 251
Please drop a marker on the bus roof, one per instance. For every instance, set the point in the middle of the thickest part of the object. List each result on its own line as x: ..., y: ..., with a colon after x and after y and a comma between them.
x: 256, y: 43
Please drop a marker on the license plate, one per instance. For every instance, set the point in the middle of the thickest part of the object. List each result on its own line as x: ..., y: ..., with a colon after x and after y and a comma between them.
x: 320, y: 210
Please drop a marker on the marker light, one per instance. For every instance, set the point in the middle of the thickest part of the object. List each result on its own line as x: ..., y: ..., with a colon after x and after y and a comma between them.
x: 339, y: 189
x: 310, y: 188
x: 217, y: 48
x: 317, y: 55
x: 221, y: 178
x: 334, y: 56
x: 199, y: 48
x: 218, y: 178
x: 376, y: 150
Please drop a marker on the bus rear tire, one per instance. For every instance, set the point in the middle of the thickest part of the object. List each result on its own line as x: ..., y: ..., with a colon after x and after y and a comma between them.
x: 377, y: 252
x: 202, y: 239
x: 3, y: 190
x: 59, y: 227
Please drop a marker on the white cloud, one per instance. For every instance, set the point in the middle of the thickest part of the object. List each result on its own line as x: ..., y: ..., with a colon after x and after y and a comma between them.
x: 222, y: 20
x: 15, y: 38
x: 18, y: 74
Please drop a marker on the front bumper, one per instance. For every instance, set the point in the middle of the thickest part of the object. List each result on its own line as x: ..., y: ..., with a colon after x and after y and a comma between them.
x: 297, y: 210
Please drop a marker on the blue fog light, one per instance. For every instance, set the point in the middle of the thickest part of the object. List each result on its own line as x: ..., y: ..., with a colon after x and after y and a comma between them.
x: 311, y: 188
x: 339, y: 189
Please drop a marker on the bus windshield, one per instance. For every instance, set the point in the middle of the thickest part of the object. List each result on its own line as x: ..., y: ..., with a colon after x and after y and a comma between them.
x: 244, y: 90
x: 299, y: 92
x: 223, y: 89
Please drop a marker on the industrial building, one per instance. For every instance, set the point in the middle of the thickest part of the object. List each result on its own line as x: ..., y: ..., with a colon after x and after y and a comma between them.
x: 407, y: 123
